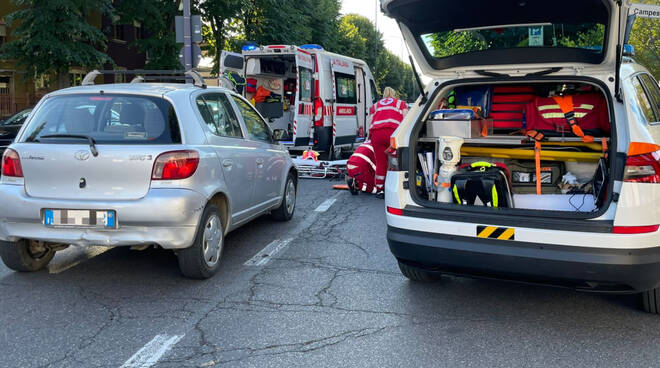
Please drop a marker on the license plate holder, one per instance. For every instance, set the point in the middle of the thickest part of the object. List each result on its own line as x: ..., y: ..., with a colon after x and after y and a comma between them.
x: 101, y: 219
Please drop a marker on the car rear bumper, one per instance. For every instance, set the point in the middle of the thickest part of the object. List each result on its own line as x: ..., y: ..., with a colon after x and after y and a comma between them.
x: 167, y: 217
x: 582, y: 268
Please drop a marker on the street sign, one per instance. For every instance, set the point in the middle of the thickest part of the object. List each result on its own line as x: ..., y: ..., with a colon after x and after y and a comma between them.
x: 196, y: 56
x: 645, y: 11
x: 195, y: 26
x: 535, y: 36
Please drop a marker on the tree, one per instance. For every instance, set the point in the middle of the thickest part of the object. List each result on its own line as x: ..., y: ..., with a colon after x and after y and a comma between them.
x: 51, y: 36
x: 157, y: 20
x: 645, y: 37
x: 220, y: 18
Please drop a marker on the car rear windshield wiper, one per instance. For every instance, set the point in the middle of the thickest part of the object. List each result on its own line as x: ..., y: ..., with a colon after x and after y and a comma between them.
x: 92, y: 143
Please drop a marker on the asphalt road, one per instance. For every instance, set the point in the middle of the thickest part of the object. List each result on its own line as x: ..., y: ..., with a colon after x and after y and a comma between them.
x: 332, y: 297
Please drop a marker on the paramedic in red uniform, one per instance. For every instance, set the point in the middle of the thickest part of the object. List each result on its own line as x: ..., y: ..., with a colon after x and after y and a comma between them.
x: 387, y: 114
x: 361, y: 168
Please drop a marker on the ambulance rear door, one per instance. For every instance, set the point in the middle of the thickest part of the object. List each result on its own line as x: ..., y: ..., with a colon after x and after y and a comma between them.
x: 362, y: 110
x: 302, y: 121
x: 344, y: 114
x: 231, y: 65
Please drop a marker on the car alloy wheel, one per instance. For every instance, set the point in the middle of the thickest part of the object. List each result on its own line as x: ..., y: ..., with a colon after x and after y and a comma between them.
x: 212, y: 241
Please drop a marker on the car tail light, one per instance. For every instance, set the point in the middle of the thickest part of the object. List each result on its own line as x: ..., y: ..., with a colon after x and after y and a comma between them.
x: 643, y: 163
x: 392, y: 156
x: 175, y: 165
x: 395, y: 211
x: 635, y: 229
x: 11, y: 164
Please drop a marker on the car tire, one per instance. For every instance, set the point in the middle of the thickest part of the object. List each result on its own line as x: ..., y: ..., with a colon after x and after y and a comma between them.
x: 25, y: 255
x: 418, y: 274
x: 202, y: 259
x: 651, y: 301
x: 288, y: 206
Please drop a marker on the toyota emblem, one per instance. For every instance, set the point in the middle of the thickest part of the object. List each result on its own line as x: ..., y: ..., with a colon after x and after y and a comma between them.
x: 82, y: 155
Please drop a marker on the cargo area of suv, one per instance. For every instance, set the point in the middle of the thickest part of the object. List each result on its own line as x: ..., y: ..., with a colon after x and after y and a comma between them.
x: 484, y: 146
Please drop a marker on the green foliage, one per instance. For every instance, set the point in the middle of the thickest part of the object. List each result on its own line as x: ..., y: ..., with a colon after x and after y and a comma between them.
x: 645, y: 37
x: 51, y: 36
x: 452, y: 43
x: 220, y: 17
x: 593, y: 36
x: 157, y: 20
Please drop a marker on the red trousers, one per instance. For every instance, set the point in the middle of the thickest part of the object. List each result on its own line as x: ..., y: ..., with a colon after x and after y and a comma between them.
x: 380, y: 140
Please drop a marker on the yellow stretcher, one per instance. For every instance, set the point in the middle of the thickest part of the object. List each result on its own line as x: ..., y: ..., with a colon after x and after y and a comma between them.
x: 528, y: 154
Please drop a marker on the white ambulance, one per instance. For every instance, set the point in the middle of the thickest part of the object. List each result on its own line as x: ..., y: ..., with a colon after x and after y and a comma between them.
x: 313, y: 99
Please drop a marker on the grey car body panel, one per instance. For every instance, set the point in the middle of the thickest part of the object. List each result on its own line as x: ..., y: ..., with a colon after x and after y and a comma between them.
x: 148, y: 211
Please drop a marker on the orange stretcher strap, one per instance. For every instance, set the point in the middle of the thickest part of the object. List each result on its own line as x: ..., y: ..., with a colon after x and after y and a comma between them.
x: 538, y: 137
x: 566, y: 105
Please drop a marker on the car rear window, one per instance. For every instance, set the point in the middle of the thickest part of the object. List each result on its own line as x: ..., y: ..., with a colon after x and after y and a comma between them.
x: 590, y: 36
x: 107, y: 118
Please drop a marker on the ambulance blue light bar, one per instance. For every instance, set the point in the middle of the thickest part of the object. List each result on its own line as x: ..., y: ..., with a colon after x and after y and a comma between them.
x: 311, y: 47
x: 250, y: 47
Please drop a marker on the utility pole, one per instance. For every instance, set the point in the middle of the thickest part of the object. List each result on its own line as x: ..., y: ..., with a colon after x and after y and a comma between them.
x: 187, y: 39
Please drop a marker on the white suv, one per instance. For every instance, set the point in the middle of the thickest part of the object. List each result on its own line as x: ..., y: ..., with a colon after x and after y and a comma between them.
x: 593, y: 222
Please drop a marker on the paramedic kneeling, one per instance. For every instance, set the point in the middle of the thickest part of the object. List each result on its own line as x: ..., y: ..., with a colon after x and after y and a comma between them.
x: 361, y: 169
x: 387, y: 114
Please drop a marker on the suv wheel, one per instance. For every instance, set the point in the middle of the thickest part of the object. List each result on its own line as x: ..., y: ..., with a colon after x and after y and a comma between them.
x: 202, y: 259
x: 418, y: 274
x: 285, y: 211
x: 651, y: 301
x: 26, y: 255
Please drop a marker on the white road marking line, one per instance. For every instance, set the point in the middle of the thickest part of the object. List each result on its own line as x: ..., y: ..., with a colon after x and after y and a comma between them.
x: 152, y: 351
x: 74, y: 256
x: 266, y: 254
x: 277, y: 246
x: 325, y: 205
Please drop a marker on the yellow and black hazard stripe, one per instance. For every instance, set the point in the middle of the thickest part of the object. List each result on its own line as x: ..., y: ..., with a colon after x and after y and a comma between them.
x: 494, y: 232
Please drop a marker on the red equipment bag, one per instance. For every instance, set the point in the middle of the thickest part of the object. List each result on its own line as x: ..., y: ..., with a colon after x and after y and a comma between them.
x: 589, y: 110
x: 508, y: 106
x: 251, y: 85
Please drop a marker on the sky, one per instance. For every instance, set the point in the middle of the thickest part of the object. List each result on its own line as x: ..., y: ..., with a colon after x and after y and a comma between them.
x: 387, y: 26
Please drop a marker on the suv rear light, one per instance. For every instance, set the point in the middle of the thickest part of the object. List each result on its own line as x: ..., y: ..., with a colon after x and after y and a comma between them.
x: 643, y: 168
x: 318, y: 112
x: 175, y: 165
x: 395, y: 211
x: 392, y: 156
x: 11, y: 164
x: 643, y: 163
x: 635, y: 229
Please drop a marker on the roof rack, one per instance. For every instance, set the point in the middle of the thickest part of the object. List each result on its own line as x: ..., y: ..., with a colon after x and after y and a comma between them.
x: 145, y: 75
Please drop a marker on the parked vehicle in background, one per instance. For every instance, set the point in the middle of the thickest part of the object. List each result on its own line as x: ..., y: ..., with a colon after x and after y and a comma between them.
x: 318, y: 100
x: 174, y: 165
x: 9, y: 128
x: 599, y: 230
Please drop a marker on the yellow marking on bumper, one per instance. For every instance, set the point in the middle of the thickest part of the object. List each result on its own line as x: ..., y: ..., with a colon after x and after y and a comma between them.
x: 507, y: 234
x: 487, y: 231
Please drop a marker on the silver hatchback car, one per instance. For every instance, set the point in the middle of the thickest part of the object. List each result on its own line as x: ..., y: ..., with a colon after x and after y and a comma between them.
x: 174, y: 165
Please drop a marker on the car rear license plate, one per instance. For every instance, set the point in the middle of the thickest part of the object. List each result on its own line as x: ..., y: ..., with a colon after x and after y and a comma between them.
x: 106, y: 219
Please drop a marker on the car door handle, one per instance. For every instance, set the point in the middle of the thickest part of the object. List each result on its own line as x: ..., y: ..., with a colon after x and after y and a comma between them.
x: 227, y: 164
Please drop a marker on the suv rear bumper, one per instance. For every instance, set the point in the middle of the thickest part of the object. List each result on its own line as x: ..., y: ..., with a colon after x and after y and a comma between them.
x: 581, y: 268
x: 167, y: 217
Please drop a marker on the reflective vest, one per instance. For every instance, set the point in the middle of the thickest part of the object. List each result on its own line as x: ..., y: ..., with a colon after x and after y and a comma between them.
x: 388, y: 113
x: 590, y: 111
